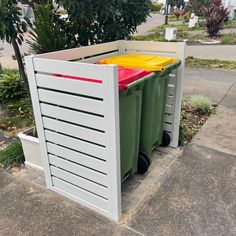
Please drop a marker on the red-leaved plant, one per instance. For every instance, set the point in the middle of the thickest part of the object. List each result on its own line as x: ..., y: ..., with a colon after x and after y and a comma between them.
x: 216, y: 14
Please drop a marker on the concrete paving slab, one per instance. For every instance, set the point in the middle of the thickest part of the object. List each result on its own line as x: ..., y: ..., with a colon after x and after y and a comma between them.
x: 211, y: 83
x: 28, y: 210
x: 229, y: 100
x: 197, y: 197
x: 49, y: 207
x: 219, y: 132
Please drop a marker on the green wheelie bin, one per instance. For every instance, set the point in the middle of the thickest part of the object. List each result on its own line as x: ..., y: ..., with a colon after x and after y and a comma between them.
x: 153, y: 111
x: 131, y: 84
x: 153, y: 100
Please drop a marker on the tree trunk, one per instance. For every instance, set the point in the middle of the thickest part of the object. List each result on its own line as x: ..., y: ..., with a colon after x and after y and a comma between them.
x: 20, y: 64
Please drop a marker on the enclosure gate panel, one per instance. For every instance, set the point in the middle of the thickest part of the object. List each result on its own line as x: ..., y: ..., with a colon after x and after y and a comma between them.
x: 77, y: 119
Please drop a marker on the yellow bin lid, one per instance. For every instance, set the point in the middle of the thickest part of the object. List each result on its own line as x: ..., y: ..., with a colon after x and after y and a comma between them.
x: 146, y: 62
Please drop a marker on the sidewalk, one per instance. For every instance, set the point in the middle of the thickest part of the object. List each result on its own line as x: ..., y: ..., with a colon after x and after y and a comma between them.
x: 197, y: 196
x: 213, y: 83
x: 220, y: 52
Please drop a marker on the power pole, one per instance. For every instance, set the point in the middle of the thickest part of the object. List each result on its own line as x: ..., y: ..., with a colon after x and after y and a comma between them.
x: 166, y: 12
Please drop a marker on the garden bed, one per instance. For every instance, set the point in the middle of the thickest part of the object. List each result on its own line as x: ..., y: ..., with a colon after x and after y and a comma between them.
x: 195, y: 111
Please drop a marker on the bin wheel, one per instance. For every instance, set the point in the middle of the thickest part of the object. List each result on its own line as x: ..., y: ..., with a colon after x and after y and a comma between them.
x: 165, y: 139
x: 146, y: 157
x: 143, y: 164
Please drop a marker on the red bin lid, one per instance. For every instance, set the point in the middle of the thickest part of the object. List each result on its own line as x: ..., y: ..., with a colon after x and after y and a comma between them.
x: 127, y: 76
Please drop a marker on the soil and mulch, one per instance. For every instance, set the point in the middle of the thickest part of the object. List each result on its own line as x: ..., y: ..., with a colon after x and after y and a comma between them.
x: 191, y: 122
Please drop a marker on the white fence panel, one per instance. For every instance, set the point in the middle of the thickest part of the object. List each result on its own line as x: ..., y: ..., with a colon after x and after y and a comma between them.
x: 77, y: 117
x: 82, y: 52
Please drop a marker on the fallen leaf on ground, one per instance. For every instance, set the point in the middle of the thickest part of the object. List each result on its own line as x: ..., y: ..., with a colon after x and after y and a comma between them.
x: 2, y: 143
x: 3, y: 126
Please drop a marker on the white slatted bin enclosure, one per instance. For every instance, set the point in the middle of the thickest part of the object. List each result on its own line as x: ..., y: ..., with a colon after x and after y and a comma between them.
x: 77, y: 118
x: 78, y: 126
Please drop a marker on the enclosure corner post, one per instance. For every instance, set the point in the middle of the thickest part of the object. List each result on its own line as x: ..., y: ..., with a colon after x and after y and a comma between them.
x: 113, y: 139
x: 121, y: 47
x: 179, y: 93
x: 29, y: 62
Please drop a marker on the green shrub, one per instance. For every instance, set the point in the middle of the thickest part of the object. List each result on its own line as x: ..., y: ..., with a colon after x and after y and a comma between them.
x: 151, y: 37
x: 183, y: 128
x: 1, y: 69
x: 8, y: 71
x: 11, y: 86
x: 182, y: 35
x: 50, y: 32
x: 201, y: 24
x: 194, y: 113
x: 12, y: 155
x: 200, y: 104
x: 19, y: 116
x: 156, y: 7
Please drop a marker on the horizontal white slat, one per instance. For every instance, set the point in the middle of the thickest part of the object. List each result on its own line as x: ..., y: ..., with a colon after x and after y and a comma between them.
x: 81, y: 52
x: 80, y: 182
x: 171, y: 90
x: 76, y: 117
x: 160, y: 47
x: 70, y: 85
x: 172, y: 80
x: 98, y: 58
x: 151, y: 52
x: 76, y: 144
x: 168, y: 118
x: 71, y: 101
x: 168, y: 127
x: 169, y: 109
x: 77, y: 157
x: 170, y: 100
x: 75, y: 131
x: 80, y: 69
x: 79, y: 170
x: 81, y: 194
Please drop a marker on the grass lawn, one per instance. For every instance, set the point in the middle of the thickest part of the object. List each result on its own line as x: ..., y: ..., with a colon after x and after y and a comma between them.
x: 173, y: 18
x: 230, y: 24
x: 228, y: 39
x: 158, y: 36
x: 179, y: 27
x: 207, y: 63
x: 225, y: 39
